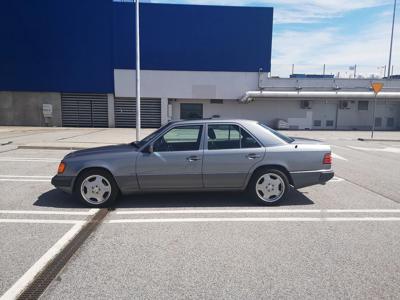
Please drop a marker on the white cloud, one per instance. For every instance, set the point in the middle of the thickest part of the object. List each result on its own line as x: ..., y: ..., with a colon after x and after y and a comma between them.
x: 295, y: 11
x: 309, y: 50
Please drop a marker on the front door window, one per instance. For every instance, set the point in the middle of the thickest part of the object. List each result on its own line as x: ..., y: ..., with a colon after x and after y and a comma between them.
x: 184, y: 138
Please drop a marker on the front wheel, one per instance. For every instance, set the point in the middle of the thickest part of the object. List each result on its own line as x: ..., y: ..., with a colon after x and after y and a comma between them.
x: 269, y: 186
x: 96, y: 188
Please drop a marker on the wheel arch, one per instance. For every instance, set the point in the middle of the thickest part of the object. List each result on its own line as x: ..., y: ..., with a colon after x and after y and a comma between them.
x: 87, y: 169
x: 271, y: 166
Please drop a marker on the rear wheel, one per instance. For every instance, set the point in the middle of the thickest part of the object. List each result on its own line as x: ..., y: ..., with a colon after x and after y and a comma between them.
x: 96, y: 188
x: 269, y: 186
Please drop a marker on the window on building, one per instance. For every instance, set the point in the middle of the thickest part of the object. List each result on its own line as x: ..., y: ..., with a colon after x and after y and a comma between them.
x: 317, y: 123
x: 363, y: 105
x: 228, y: 136
x: 390, y: 122
x: 329, y: 123
x: 217, y: 101
x: 183, y: 138
x: 378, y: 122
x: 191, y: 111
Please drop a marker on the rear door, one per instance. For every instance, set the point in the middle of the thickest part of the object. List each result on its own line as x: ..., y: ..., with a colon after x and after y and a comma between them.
x: 230, y: 153
x: 176, y: 162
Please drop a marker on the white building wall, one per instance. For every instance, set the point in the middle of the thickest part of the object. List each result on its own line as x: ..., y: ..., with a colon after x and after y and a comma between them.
x: 185, y: 84
x: 176, y: 87
x: 353, y: 118
x: 265, y: 111
x: 164, y: 111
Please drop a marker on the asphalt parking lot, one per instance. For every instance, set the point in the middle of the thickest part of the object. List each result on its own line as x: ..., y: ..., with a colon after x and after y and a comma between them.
x: 340, y: 240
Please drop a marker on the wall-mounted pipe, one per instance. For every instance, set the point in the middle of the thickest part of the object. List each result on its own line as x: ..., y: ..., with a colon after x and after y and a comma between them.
x: 249, y: 96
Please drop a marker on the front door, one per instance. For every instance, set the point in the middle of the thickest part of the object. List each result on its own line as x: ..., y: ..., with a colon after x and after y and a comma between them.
x: 231, y: 153
x: 176, y: 161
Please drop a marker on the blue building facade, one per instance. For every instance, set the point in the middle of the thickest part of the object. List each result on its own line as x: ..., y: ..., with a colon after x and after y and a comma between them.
x: 74, y: 45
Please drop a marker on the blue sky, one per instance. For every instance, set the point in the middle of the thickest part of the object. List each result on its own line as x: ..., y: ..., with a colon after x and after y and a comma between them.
x: 338, y: 33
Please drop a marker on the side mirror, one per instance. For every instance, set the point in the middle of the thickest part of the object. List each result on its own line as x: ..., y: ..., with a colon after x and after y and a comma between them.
x: 149, y: 149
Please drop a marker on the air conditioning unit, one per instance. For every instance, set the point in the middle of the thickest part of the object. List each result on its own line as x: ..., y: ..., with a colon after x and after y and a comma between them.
x: 306, y: 104
x: 344, y: 104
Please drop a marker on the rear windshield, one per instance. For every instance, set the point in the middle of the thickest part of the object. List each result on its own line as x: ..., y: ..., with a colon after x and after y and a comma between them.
x: 287, y: 139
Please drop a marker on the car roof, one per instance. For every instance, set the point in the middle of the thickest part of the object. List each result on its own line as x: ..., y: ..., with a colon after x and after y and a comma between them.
x: 203, y: 121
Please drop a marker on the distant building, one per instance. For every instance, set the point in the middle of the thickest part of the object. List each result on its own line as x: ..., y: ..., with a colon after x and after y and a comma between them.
x: 312, y: 76
x: 72, y: 63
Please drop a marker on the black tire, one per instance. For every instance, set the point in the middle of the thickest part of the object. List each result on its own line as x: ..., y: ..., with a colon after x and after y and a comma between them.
x: 111, y: 197
x: 284, y: 188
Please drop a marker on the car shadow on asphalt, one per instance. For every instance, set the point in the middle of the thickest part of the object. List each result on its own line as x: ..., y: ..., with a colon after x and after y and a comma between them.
x: 58, y: 199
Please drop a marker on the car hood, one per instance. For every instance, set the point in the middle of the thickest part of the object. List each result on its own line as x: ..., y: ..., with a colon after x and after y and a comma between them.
x: 103, y: 150
x: 300, y: 140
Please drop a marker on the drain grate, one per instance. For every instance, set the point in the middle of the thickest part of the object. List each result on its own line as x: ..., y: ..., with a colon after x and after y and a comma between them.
x: 46, y: 276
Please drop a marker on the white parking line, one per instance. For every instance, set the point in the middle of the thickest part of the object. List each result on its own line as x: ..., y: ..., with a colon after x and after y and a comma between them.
x: 24, y: 180
x: 23, y: 176
x: 336, y: 179
x: 28, y: 159
x: 386, y: 149
x: 49, y: 212
x: 336, y: 156
x: 251, y: 211
x: 299, y: 219
x: 30, y: 275
x: 39, y: 221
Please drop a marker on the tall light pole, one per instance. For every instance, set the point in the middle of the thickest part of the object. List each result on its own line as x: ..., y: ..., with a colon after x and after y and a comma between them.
x: 377, y: 88
x: 391, y: 40
x: 138, y: 125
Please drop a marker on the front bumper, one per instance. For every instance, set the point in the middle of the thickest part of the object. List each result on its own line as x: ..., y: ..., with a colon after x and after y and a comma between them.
x: 308, y: 178
x: 63, y: 183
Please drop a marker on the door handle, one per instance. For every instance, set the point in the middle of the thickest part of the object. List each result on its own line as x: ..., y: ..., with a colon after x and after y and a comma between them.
x: 192, y: 158
x: 253, y: 156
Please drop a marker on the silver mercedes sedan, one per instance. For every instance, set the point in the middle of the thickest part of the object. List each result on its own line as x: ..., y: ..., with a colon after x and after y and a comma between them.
x: 198, y: 155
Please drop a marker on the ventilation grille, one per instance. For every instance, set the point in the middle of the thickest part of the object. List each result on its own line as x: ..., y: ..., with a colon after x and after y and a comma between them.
x: 84, y: 110
x: 125, y: 113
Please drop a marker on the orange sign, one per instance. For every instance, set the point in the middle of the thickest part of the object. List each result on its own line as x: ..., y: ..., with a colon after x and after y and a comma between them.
x: 377, y: 87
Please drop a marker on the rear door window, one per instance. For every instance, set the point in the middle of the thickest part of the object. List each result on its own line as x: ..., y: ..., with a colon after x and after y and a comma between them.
x: 229, y: 136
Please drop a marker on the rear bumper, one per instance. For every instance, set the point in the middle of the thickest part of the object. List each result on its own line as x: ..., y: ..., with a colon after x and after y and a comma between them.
x: 308, y: 178
x: 63, y: 183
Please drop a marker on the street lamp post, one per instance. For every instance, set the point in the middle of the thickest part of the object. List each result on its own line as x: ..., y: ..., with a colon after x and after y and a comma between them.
x: 373, y: 117
x: 138, y: 125
x: 391, y: 39
x: 377, y: 88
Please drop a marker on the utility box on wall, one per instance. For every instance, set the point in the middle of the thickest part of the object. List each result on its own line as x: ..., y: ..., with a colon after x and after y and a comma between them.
x: 47, y: 110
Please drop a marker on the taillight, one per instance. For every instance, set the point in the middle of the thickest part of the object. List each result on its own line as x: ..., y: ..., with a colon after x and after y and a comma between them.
x: 61, y: 168
x: 327, y: 159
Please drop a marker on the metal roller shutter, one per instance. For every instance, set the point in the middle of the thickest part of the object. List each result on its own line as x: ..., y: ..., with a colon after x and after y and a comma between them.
x: 125, y: 112
x: 84, y: 110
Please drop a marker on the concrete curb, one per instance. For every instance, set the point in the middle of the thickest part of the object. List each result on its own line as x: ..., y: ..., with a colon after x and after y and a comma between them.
x: 376, y: 140
x: 52, y: 147
x: 62, y: 146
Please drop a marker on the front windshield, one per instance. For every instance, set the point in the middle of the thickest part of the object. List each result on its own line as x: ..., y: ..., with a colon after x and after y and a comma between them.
x: 278, y: 134
x: 149, y: 137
